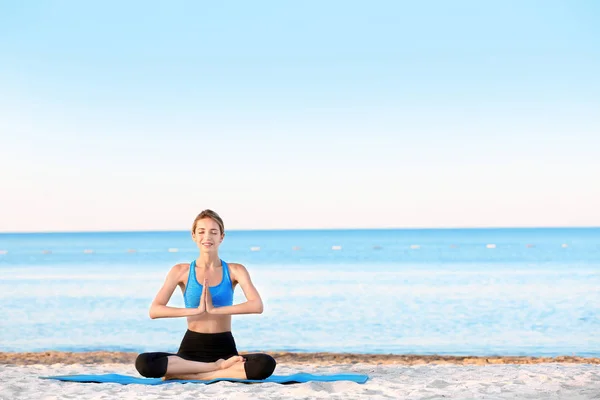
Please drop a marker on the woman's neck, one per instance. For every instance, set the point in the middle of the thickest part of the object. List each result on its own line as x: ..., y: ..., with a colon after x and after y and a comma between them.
x: 208, y: 260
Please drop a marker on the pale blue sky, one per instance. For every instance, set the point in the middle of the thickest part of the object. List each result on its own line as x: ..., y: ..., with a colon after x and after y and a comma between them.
x: 310, y: 114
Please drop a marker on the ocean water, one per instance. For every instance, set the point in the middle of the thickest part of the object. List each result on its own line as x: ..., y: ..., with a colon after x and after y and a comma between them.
x: 428, y: 291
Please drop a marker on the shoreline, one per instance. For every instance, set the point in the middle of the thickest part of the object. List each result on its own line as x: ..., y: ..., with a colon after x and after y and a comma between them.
x: 318, y: 358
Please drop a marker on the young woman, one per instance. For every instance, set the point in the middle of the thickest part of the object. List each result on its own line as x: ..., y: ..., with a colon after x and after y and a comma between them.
x: 208, y: 350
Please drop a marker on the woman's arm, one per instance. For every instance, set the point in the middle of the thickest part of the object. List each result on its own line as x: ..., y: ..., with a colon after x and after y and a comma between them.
x: 159, y: 308
x: 253, y: 305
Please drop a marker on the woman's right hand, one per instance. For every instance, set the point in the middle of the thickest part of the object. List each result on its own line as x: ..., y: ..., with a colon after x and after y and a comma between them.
x: 202, y: 306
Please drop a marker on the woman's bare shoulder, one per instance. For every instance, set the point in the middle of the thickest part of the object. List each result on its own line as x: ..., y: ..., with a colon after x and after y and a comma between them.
x: 178, y: 270
x: 236, y: 266
x: 237, y: 270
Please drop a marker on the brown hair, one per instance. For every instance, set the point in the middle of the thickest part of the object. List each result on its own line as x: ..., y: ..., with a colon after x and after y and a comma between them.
x: 209, y: 214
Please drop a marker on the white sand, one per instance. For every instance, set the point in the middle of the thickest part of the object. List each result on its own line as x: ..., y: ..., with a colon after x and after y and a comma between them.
x: 531, y: 381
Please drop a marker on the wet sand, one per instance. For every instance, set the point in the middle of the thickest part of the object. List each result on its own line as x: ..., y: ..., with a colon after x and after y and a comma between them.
x: 105, y: 357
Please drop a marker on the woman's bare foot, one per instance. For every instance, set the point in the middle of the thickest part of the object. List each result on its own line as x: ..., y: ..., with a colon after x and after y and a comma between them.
x: 224, y: 364
x: 210, y: 369
x: 231, y: 368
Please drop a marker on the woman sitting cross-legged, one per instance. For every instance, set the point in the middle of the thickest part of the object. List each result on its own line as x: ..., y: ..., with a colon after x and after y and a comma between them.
x: 208, y: 350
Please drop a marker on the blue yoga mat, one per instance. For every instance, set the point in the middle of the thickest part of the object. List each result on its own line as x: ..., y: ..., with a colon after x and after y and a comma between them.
x: 283, y: 379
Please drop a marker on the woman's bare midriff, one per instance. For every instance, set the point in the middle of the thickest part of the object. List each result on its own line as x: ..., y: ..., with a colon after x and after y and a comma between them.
x: 208, y: 323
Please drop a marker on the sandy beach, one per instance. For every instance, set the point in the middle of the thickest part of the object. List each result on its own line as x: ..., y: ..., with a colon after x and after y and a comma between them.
x: 391, y: 376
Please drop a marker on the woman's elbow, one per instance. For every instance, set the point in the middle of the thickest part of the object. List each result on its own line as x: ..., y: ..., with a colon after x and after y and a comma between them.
x: 259, y: 308
x: 152, y: 312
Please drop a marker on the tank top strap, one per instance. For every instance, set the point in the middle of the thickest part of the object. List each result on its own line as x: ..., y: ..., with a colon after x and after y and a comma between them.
x: 226, y: 271
x: 193, y: 270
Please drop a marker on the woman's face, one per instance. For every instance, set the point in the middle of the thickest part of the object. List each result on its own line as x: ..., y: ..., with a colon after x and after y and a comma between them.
x: 208, y: 235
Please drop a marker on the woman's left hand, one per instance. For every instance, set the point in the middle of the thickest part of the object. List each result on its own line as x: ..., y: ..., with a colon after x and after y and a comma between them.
x: 209, y: 303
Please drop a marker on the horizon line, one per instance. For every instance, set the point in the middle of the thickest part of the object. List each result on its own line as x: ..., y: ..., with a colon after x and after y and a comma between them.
x: 306, y: 229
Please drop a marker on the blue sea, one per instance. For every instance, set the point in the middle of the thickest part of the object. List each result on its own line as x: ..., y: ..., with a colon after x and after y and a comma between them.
x: 423, y: 291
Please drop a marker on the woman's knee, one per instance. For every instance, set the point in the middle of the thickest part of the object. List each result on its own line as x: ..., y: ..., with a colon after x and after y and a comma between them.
x: 259, y: 366
x: 152, y: 365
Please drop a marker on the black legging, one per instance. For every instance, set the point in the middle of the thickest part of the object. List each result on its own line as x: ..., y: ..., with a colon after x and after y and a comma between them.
x: 205, y: 347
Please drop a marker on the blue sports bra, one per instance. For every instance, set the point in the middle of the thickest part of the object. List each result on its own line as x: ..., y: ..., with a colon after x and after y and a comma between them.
x: 222, y: 294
